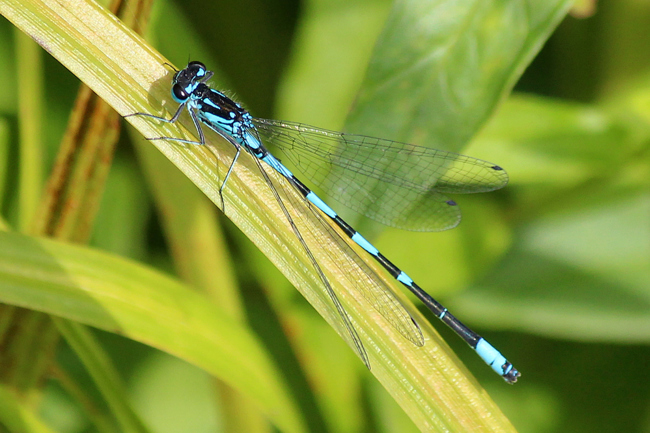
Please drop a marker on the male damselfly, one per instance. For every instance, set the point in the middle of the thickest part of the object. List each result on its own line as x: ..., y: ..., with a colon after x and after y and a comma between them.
x: 360, y: 173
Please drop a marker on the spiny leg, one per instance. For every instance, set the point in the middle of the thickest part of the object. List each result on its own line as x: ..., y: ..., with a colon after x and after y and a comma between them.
x: 173, y: 120
x: 162, y: 119
x: 225, y: 179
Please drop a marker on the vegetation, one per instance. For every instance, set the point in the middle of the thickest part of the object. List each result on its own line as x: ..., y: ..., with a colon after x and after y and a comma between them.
x: 101, y: 230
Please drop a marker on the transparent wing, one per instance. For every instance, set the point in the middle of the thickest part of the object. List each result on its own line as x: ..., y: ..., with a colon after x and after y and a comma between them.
x: 349, y: 264
x: 397, y: 184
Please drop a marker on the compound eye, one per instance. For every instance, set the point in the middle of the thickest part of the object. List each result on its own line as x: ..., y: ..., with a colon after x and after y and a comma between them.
x: 179, y: 93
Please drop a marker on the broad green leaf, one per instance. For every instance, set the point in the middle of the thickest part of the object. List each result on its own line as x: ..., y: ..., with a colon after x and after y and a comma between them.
x: 440, y: 67
x: 116, y: 295
x: 554, y: 143
x: 580, y: 267
x: 590, y: 273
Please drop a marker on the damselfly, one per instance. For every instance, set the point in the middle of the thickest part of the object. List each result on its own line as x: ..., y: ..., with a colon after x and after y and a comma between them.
x: 397, y: 184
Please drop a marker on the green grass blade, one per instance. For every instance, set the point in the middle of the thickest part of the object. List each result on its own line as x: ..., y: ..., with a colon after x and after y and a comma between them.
x: 30, y: 88
x: 113, y: 294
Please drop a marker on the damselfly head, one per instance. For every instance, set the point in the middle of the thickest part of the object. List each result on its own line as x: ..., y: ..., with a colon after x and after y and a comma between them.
x: 186, y: 80
x: 195, y: 70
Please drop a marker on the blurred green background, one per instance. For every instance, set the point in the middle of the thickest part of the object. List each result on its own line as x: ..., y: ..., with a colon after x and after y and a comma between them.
x: 562, y: 287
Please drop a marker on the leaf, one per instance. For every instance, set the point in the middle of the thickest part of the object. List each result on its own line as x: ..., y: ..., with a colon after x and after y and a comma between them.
x: 440, y: 67
x: 119, y: 296
x: 579, y: 270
